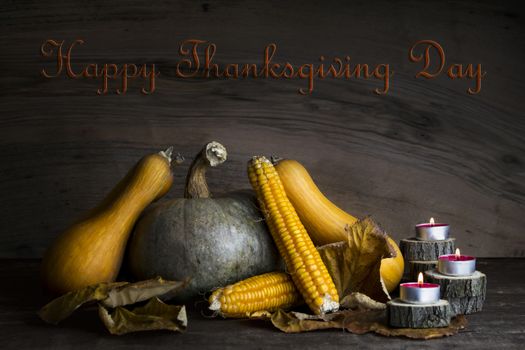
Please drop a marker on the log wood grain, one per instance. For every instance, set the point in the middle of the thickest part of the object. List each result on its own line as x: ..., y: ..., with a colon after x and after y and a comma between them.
x: 403, y: 315
x: 465, y: 294
x: 416, y: 250
x: 459, y: 286
x: 427, y: 148
x: 417, y: 267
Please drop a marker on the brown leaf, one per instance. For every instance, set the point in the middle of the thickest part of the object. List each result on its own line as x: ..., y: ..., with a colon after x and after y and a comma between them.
x: 109, y: 294
x: 63, y: 306
x: 458, y: 323
x: 139, y: 291
x: 354, y: 265
x: 364, y: 313
x: 155, y: 315
x: 358, y: 301
x: 295, y: 322
x: 359, y: 321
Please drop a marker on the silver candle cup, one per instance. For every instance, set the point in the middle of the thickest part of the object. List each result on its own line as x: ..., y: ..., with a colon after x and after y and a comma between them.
x: 451, y: 265
x: 432, y: 232
x: 427, y: 293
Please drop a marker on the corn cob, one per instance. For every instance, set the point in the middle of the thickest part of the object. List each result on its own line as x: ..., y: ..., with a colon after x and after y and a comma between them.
x: 295, y: 246
x: 266, y: 292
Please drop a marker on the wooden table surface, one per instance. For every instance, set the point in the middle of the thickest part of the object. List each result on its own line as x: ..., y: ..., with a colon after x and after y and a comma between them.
x: 499, y: 326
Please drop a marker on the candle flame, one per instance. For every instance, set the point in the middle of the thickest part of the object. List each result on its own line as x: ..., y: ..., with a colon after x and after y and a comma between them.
x: 420, y: 279
x: 458, y: 253
x: 432, y: 222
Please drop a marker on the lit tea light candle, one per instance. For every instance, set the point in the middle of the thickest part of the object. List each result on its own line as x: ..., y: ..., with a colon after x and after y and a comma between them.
x: 432, y: 231
x: 456, y: 264
x: 419, y: 292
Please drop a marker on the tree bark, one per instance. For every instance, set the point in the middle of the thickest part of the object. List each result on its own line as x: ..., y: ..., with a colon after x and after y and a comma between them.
x: 404, y: 315
x: 415, y: 267
x: 415, y: 250
x: 465, y: 294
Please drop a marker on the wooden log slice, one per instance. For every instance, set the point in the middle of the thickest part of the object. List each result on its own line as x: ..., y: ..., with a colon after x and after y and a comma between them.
x: 465, y: 294
x: 466, y: 305
x: 404, y: 315
x: 415, y: 267
x: 459, y: 286
x: 416, y: 250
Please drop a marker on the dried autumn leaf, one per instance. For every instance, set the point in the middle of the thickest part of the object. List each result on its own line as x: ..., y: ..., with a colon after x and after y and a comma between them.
x: 132, y: 293
x: 359, y: 301
x: 359, y: 321
x: 155, y: 315
x: 295, y: 322
x: 63, y: 306
x: 456, y: 324
x: 354, y: 265
x: 109, y: 294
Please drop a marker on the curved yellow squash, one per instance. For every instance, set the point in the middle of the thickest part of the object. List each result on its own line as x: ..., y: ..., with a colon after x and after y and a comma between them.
x: 324, y: 221
x: 392, y: 268
x: 91, y: 250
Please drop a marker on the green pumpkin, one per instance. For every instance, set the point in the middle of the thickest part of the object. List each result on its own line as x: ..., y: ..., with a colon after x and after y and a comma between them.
x: 213, y: 241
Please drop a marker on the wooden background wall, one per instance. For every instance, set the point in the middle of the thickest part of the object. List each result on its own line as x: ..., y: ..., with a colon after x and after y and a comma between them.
x: 425, y: 149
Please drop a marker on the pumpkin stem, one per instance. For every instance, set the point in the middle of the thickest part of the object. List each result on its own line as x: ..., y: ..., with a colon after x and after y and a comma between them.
x: 168, y: 154
x: 211, y: 155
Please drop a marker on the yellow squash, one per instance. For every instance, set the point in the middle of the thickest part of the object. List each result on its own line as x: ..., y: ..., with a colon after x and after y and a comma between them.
x: 91, y: 250
x: 324, y: 221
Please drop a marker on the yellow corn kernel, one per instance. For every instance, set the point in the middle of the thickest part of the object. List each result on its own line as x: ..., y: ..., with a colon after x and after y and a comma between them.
x: 266, y: 292
x: 302, y: 259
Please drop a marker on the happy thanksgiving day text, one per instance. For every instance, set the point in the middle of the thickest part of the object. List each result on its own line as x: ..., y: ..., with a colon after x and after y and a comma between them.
x: 197, y: 61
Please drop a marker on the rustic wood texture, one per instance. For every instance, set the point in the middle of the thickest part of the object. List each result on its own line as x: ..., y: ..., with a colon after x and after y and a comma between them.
x: 425, y: 149
x: 416, y: 250
x: 498, y: 326
x: 403, y: 315
x: 466, y: 305
x: 417, y: 267
x: 465, y: 294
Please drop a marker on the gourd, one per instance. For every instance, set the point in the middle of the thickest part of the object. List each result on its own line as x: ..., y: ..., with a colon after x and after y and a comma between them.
x: 214, y: 241
x: 326, y: 222
x: 92, y: 249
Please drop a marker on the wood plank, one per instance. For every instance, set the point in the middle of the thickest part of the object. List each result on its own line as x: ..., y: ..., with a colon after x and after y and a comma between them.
x: 499, y: 325
x: 425, y: 149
